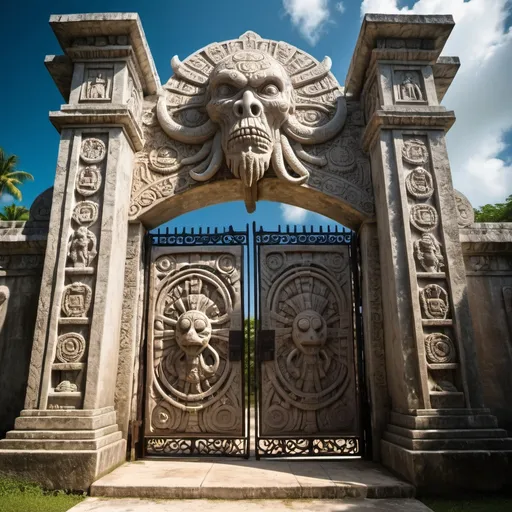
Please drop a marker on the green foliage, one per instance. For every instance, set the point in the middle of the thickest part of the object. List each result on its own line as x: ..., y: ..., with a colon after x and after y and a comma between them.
x: 10, y: 177
x: 249, y: 366
x: 21, y: 496
x: 499, y: 212
x: 14, y: 212
x: 476, y: 504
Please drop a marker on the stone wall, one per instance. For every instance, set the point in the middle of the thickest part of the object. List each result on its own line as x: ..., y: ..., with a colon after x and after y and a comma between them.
x: 22, y: 246
x: 488, y: 259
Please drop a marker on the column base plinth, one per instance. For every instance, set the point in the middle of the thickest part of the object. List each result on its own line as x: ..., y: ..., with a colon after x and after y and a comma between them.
x: 61, y: 449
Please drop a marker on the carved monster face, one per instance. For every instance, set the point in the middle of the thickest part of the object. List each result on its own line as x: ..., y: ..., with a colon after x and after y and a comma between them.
x: 309, y: 332
x: 193, y: 332
x: 251, y: 96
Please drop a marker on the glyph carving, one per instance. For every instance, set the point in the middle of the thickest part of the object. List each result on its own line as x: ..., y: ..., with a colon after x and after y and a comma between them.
x: 195, y: 387
x: 42, y: 206
x: 258, y: 95
x: 434, y: 302
x: 76, y: 300
x: 93, y: 151
x: 465, y: 212
x: 85, y: 213
x: 135, y: 99
x: 89, y: 180
x: 410, y: 89
x: 415, y: 152
x: 419, y: 183
x: 82, y: 247
x: 427, y: 251
x: 439, y: 348
x: 70, y: 348
x: 424, y: 217
x: 66, y: 387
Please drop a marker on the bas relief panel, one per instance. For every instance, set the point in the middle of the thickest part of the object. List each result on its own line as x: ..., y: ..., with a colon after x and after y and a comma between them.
x: 309, y: 387
x: 194, y: 388
x: 246, y: 109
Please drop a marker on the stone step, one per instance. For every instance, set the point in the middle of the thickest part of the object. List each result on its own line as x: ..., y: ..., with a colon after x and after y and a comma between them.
x: 448, y: 433
x: 251, y: 479
x: 60, y: 444
x: 66, y: 412
x: 61, y: 434
x: 65, y: 423
x: 449, y: 444
x: 346, y: 505
x: 431, y: 422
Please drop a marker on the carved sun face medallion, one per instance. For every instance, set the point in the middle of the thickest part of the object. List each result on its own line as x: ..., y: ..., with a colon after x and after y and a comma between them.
x: 309, y: 332
x: 193, y: 332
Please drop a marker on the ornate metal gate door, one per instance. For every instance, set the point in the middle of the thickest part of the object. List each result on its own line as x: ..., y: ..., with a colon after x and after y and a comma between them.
x: 306, y: 355
x: 195, y: 399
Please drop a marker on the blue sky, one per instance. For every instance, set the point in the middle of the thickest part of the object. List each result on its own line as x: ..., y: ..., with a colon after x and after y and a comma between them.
x: 321, y: 27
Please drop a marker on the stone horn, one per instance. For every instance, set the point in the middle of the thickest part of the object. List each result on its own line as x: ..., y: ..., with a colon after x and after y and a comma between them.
x: 176, y: 131
x: 316, y: 135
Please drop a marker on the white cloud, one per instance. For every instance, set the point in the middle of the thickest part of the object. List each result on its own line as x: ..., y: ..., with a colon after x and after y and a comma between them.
x: 6, y: 198
x: 479, y: 95
x: 310, y: 16
x: 340, y: 7
x: 293, y: 214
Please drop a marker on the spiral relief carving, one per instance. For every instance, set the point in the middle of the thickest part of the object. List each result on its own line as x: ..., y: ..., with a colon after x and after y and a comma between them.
x: 439, y: 348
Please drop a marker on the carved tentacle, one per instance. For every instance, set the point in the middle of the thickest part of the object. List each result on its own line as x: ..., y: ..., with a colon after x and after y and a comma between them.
x: 316, y: 135
x: 214, y: 164
x: 179, y: 132
x: 292, y: 160
x: 321, y: 161
x: 200, y: 155
x: 279, y: 167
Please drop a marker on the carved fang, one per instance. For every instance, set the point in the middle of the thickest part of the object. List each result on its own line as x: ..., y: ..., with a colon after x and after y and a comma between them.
x: 308, y: 135
x: 179, y: 132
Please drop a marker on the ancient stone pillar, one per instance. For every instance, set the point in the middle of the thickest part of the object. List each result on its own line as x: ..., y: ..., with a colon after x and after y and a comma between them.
x: 69, y: 420
x: 438, y: 426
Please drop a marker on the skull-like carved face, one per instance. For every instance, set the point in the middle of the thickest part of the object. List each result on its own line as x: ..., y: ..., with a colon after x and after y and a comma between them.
x: 309, y: 332
x: 251, y: 96
x: 193, y: 332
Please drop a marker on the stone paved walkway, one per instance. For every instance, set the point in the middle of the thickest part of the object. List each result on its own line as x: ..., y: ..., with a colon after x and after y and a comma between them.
x: 251, y: 479
x: 349, y: 505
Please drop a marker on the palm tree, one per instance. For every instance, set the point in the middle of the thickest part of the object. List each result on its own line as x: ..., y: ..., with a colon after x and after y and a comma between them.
x: 10, y: 178
x: 14, y: 212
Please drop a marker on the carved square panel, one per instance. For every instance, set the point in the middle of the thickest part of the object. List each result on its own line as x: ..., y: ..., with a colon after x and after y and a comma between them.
x: 409, y: 86
x: 97, y: 84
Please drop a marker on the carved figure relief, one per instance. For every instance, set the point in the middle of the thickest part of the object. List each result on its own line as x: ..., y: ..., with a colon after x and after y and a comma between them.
x: 434, y: 302
x: 442, y: 385
x: 82, y: 247
x: 410, y: 89
x: 257, y: 97
x: 439, y: 348
x: 98, y: 85
x: 4, y: 301
x: 308, y: 386
x: 465, y: 212
x: 424, y: 217
x: 428, y: 253
x: 70, y: 348
x: 76, y: 300
x: 419, y: 183
x: 195, y: 386
x: 415, y: 152
x: 93, y: 150
x: 89, y: 180
x: 66, y: 387
x: 85, y: 213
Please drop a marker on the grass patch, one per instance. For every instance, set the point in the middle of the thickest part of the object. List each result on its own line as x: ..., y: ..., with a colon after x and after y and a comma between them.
x: 19, y: 496
x: 480, y: 504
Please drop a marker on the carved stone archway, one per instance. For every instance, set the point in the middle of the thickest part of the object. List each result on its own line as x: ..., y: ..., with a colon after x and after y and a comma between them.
x: 372, y: 155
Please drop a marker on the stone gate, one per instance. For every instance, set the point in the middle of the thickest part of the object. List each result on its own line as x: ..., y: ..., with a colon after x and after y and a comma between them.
x: 251, y: 119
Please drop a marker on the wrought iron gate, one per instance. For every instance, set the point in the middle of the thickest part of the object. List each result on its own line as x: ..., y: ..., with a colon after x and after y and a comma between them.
x: 306, y: 356
x: 307, y: 348
x: 195, y: 391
